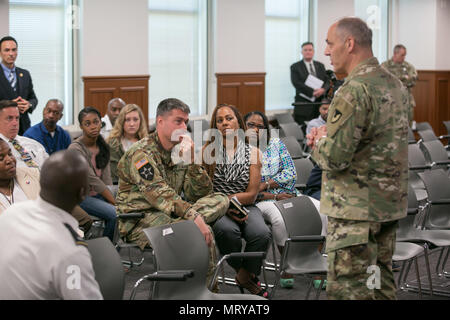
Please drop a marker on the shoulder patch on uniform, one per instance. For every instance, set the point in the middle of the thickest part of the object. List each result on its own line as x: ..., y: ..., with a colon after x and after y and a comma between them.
x: 78, y: 240
x: 145, y: 169
x: 336, y: 117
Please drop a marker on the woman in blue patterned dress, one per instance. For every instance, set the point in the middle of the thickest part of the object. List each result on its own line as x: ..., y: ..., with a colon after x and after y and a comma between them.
x: 278, y: 178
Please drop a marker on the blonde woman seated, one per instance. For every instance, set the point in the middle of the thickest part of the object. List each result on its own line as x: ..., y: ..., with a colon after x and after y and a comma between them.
x: 129, y: 128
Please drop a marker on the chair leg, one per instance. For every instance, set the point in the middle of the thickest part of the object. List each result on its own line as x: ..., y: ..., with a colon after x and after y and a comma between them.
x: 319, y: 290
x: 427, y: 264
x: 418, y: 277
x: 400, y: 276
x: 309, y: 288
x: 444, y: 262
x: 438, y: 263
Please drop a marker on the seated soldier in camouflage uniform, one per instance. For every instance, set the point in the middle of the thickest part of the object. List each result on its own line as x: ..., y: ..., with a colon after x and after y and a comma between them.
x: 150, y: 182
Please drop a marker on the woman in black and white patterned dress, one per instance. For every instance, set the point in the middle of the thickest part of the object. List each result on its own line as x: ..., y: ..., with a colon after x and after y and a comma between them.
x: 235, y: 169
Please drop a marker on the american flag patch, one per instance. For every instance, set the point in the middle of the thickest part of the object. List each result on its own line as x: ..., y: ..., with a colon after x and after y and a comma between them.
x: 141, y: 163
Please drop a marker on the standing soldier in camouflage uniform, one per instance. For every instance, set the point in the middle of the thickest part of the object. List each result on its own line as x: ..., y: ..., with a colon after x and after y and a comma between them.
x: 363, y: 152
x: 151, y: 183
x: 405, y: 72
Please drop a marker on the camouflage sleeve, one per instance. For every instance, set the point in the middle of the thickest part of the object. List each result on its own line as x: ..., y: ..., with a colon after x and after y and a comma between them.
x: 144, y: 173
x: 346, y: 121
x: 197, y: 183
x: 412, y: 76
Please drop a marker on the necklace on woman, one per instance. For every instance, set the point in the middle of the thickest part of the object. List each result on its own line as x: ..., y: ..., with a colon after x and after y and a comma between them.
x: 10, y: 199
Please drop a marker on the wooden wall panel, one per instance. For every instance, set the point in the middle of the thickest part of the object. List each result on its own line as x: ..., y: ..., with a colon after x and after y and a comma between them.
x: 246, y: 91
x: 432, y: 95
x: 132, y: 89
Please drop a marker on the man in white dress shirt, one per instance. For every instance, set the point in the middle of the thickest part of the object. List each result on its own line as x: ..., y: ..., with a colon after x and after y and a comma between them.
x: 42, y: 256
x: 114, y: 107
x: 28, y: 152
x: 321, y: 120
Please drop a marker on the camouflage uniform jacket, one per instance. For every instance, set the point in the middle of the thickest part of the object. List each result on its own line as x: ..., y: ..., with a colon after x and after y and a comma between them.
x: 150, y: 182
x: 365, y: 153
x: 405, y: 72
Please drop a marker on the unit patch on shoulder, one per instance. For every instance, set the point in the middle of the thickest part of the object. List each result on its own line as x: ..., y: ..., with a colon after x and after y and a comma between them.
x: 336, y: 117
x: 145, y: 169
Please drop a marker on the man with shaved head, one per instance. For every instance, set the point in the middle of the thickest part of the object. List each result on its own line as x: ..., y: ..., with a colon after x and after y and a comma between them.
x: 44, y: 257
x: 114, y: 107
x: 363, y: 151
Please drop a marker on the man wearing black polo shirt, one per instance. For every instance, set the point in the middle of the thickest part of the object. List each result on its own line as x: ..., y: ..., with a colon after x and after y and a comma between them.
x: 47, y: 132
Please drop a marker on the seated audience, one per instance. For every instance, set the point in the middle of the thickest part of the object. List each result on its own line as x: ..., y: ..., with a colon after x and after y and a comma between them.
x: 129, y: 128
x: 112, y: 112
x: 47, y: 132
x: 22, y: 183
x: 235, y: 169
x: 321, y: 120
x: 151, y: 183
x: 42, y: 256
x: 28, y: 152
x: 91, y: 145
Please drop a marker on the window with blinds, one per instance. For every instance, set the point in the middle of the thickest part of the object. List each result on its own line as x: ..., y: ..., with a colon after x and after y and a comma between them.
x: 45, y: 49
x: 287, y: 27
x: 376, y: 14
x: 178, y: 53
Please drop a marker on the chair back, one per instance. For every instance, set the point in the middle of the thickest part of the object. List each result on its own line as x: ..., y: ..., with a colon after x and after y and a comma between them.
x: 437, y: 184
x: 411, y: 137
x: 302, y: 219
x: 292, y: 129
x: 303, y: 167
x: 447, y: 126
x: 427, y: 135
x: 420, y: 126
x: 434, y: 150
x: 285, y: 117
x: 293, y: 146
x: 108, y: 268
x: 179, y: 246
x: 415, y: 156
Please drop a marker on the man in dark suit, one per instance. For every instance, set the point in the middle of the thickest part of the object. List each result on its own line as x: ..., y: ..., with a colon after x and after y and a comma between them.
x: 299, y: 73
x: 15, y: 83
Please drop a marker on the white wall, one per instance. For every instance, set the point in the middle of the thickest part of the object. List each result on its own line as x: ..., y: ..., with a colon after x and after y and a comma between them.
x: 443, y: 35
x: 4, y: 18
x: 328, y: 12
x: 240, y: 36
x: 416, y: 30
x: 114, y: 37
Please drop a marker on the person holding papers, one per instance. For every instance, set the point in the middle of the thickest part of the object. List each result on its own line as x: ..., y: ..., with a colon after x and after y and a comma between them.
x: 311, y: 83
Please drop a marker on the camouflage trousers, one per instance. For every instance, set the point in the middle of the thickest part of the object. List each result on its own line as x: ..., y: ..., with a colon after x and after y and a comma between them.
x: 211, y: 208
x: 362, y: 270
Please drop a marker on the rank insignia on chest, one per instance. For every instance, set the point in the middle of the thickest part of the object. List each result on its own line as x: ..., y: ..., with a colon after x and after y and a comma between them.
x: 145, y: 169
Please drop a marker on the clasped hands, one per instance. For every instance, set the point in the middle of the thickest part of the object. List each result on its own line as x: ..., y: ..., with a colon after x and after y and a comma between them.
x: 22, y: 104
x: 315, y: 134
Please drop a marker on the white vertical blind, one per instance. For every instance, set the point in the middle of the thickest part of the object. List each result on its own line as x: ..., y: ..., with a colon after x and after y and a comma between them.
x: 376, y: 14
x: 287, y: 27
x: 44, y: 49
x: 178, y: 53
